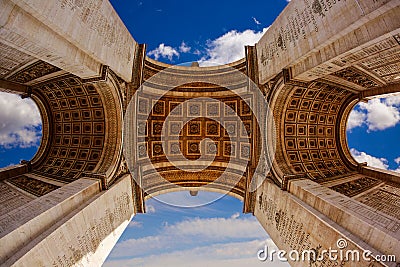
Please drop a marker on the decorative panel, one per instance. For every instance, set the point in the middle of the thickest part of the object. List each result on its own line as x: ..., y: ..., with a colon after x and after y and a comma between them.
x: 33, y: 71
x: 356, y: 76
x: 78, y: 122
x: 11, y: 198
x: 385, y: 198
x: 356, y: 186
x: 34, y: 186
x: 191, y: 122
x: 309, y: 130
x: 197, y: 127
x: 11, y: 60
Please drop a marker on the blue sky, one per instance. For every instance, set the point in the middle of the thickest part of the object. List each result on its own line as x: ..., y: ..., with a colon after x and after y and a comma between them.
x: 196, y: 24
x: 373, y: 132
x: 209, y: 32
x: 20, y: 129
x: 217, y: 234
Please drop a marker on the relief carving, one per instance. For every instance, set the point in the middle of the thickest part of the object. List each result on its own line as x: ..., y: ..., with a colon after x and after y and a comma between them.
x: 357, y: 77
x: 33, y: 186
x: 32, y: 72
x: 355, y: 187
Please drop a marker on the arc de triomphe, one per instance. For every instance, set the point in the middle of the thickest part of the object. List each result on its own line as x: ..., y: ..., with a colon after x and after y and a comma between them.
x: 269, y: 129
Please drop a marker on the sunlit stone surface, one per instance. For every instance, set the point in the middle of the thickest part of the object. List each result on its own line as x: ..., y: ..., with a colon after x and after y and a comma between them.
x: 288, y: 161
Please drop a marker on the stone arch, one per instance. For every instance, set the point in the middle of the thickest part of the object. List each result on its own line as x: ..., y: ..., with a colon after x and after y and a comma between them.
x: 345, y: 200
x: 277, y: 96
x: 310, y: 129
x: 342, y: 128
x: 113, y: 94
x: 77, y: 128
x: 45, y: 139
x: 377, y: 92
x: 218, y: 83
x: 81, y: 121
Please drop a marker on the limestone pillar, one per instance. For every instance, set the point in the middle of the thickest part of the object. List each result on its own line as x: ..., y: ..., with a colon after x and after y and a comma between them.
x: 77, y: 38
x: 76, y: 224
x: 311, y: 217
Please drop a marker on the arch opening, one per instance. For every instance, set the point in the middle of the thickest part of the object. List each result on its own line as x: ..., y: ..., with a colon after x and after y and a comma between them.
x: 195, y: 119
x: 373, y: 132
x: 20, y: 129
x: 206, y: 235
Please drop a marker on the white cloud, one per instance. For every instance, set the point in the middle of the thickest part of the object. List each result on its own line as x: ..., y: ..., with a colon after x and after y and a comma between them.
x: 135, y: 224
x: 197, y: 52
x: 256, y: 21
x: 18, y: 121
x: 380, y: 114
x: 217, y: 228
x: 232, y: 254
x: 393, y: 99
x: 397, y: 160
x: 150, y: 209
x: 190, y: 232
x: 164, y: 51
x: 229, y: 47
x: 356, y: 119
x: 184, y: 48
x: 377, y: 114
x: 235, y: 215
x: 371, y: 160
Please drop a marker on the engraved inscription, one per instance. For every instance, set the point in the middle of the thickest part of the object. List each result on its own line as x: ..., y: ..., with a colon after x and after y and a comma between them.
x: 97, y: 230
x: 372, y: 214
x: 299, y: 25
x: 290, y: 230
x: 385, y: 199
x: 11, y: 199
x: 11, y: 59
x: 89, y: 12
